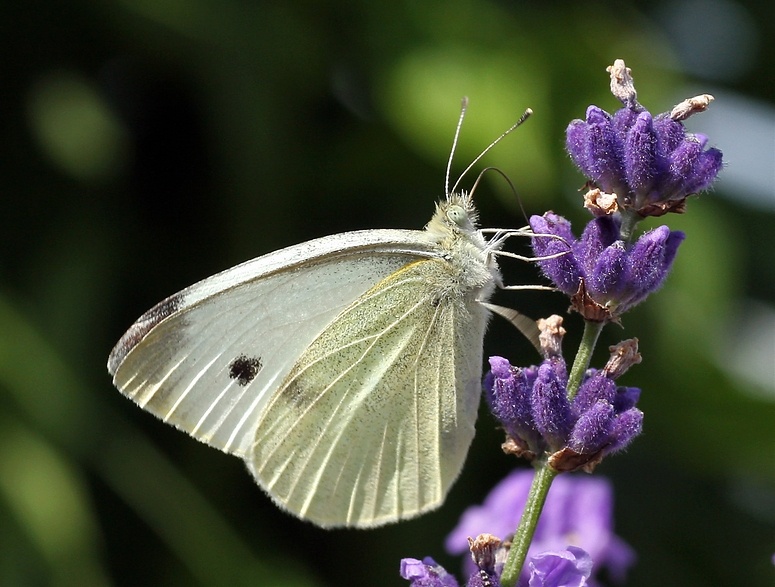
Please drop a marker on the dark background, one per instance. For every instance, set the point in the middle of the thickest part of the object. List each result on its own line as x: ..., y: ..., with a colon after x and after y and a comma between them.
x: 148, y: 144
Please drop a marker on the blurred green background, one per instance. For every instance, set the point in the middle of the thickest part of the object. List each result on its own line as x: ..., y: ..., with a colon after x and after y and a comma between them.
x: 148, y: 144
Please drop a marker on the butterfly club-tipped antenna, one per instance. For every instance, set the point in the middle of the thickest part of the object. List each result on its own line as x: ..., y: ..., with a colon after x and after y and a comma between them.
x: 525, y: 115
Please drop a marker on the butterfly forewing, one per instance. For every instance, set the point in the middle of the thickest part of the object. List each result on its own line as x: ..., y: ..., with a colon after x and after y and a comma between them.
x: 208, y: 364
x: 380, y: 407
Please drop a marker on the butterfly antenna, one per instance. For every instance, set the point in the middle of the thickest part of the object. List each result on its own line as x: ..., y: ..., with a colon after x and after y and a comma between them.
x: 463, y: 108
x: 522, y: 119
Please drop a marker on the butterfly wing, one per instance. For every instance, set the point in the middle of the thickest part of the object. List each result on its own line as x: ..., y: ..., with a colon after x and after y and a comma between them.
x: 380, y: 407
x: 209, y: 358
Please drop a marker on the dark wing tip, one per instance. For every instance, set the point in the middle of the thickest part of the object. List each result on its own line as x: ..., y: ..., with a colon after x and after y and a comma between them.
x: 140, y: 329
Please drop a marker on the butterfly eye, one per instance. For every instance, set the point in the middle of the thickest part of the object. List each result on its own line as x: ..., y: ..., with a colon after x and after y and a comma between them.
x: 457, y: 215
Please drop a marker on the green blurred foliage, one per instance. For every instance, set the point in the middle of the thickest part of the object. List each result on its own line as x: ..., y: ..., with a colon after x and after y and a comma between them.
x: 150, y: 144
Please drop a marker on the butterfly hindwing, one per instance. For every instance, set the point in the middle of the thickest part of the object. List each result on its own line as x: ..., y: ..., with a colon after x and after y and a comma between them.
x: 380, y: 407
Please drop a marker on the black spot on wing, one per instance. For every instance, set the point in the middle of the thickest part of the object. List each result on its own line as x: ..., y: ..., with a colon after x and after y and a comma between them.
x: 138, y: 331
x: 244, y: 369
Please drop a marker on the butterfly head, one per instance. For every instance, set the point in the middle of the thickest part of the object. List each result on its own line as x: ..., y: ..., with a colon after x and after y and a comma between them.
x: 454, y: 215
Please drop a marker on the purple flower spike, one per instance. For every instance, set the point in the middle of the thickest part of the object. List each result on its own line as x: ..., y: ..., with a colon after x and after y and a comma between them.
x: 540, y: 420
x: 650, y: 163
x: 566, y: 568
x: 578, y: 510
x: 604, y: 275
x: 426, y: 573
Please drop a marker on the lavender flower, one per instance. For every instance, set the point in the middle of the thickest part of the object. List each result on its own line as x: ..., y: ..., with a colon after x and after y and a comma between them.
x: 578, y: 511
x: 638, y: 165
x: 604, y: 276
x: 535, y: 410
x: 565, y: 568
x: 426, y: 573
x: 485, y: 572
x: 650, y: 164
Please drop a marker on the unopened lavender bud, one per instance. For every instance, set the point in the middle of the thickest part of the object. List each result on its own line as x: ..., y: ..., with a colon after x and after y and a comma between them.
x: 551, y: 408
x: 597, y: 386
x: 625, y: 428
x: 608, y: 278
x: 641, y: 155
x: 650, y: 261
x: 592, y: 430
x: 563, y: 269
x: 599, y: 234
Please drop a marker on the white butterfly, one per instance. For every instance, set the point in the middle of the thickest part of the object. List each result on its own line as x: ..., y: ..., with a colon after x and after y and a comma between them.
x: 345, y: 371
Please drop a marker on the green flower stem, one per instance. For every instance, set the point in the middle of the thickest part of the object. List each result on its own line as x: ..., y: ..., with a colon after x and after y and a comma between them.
x: 583, y: 356
x: 629, y: 220
x: 544, y: 474
x: 539, y: 489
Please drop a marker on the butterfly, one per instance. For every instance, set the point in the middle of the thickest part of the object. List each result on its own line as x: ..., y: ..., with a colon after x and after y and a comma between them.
x: 345, y: 371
